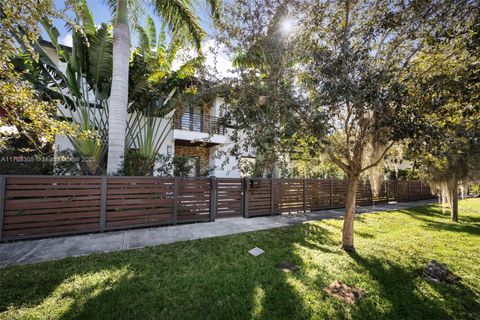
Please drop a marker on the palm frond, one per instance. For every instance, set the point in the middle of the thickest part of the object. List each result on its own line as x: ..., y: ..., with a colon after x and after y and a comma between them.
x: 162, y: 38
x: 189, y: 68
x: 53, y: 34
x: 152, y: 32
x: 87, y: 18
x: 144, y: 42
x: 100, y: 66
x: 181, y: 19
x: 215, y: 8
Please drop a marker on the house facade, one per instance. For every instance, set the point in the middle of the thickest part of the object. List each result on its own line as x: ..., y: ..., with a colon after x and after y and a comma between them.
x: 192, y: 133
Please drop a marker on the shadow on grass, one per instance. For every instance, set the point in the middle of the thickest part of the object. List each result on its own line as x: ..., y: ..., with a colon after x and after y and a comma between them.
x: 201, y: 286
x: 359, y: 233
x: 211, y: 278
x: 26, y: 285
x: 409, y: 294
x: 435, y: 219
x: 217, y: 279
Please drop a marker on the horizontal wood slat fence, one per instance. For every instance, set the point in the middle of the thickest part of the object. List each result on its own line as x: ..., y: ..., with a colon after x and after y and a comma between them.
x: 43, y: 206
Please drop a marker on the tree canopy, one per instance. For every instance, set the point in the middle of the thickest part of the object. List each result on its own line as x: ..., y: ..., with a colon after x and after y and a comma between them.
x: 344, y: 74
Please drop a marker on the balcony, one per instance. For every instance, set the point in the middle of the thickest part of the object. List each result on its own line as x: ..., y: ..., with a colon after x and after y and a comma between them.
x: 197, y: 128
x: 199, y: 123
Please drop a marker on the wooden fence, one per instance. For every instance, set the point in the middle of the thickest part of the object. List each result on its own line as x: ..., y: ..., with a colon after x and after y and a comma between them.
x: 41, y: 206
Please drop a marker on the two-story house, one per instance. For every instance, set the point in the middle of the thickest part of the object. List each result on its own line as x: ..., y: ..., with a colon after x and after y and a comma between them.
x: 194, y: 133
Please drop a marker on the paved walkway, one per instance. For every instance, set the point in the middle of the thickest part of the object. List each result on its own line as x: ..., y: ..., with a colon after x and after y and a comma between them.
x: 29, y: 251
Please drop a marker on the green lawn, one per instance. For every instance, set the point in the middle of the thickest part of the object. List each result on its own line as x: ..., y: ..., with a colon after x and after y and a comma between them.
x: 218, y: 279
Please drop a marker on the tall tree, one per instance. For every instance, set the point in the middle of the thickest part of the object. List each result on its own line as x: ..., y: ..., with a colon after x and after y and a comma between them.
x: 343, y: 81
x: 447, y: 90
x: 180, y: 17
x: 356, y: 64
x: 261, y: 93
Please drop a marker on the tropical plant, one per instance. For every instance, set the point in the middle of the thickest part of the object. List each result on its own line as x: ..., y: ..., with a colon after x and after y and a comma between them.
x: 82, y: 86
x: 153, y: 86
x: 177, y: 166
x: 180, y: 17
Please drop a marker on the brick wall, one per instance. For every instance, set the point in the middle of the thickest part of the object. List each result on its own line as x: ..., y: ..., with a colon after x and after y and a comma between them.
x: 202, y: 152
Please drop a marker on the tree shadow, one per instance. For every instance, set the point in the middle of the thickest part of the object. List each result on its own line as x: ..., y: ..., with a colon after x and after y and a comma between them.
x: 215, y: 274
x: 358, y: 233
x: 29, y: 285
x: 405, y: 289
x: 455, y: 227
x: 435, y: 219
x: 216, y: 279
x: 247, y: 287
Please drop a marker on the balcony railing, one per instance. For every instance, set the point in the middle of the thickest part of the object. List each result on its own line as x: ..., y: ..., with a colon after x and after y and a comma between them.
x: 199, y: 123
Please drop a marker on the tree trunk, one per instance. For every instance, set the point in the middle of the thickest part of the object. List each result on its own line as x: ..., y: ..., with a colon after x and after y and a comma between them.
x: 349, y: 218
x: 117, y: 112
x: 453, y: 201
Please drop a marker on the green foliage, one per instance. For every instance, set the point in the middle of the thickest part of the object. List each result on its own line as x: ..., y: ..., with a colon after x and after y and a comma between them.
x: 475, y: 188
x: 22, y: 16
x: 318, y: 168
x: 263, y: 104
x: 137, y: 164
x: 71, y: 163
x: 28, y: 121
x: 15, y: 159
x: 357, y: 72
x: 152, y: 81
x: 404, y: 174
x: 182, y: 166
x: 446, y: 142
x: 26, y: 114
x: 87, y: 78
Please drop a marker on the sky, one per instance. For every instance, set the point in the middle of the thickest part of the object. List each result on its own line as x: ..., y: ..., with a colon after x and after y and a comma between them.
x: 101, y: 14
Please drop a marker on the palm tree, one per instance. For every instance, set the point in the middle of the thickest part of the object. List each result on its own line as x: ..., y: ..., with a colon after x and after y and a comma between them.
x: 179, y: 15
x: 153, y: 90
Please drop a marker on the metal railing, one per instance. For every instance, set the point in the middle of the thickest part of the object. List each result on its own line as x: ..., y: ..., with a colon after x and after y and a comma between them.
x: 199, y: 123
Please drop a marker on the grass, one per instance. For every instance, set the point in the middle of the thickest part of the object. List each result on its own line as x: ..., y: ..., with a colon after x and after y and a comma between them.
x: 217, y: 279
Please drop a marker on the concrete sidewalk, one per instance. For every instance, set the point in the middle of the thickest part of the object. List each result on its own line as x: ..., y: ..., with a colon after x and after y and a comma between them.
x: 29, y: 251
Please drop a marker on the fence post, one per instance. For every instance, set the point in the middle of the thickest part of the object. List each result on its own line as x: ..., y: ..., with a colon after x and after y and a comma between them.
x: 371, y: 193
x: 304, y: 195
x: 175, y: 200
x: 103, y: 202
x: 386, y: 188
x: 272, y: 196
x: 213, y: 198
x: 408, y: 190
x: 395, y: 190
x: 2, y: 201
x: 246, y: 187
x: 331, y: 193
